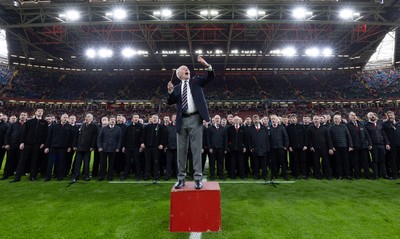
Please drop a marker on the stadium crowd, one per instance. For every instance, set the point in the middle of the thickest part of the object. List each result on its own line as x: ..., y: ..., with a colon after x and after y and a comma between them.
x: 261, y: 147
x: 311, y: 85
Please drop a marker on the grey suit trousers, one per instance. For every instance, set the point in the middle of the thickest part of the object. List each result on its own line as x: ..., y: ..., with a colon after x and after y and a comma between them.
x: 192, y: 131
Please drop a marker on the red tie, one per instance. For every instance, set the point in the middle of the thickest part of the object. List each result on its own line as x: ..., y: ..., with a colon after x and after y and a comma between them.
x: 237, y: 128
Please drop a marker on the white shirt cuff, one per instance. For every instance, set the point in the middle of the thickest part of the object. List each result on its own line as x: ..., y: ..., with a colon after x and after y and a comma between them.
x: 209, y: 68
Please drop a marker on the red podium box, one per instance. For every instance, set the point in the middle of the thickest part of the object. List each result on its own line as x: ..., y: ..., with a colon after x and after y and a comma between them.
x: 196, y: 210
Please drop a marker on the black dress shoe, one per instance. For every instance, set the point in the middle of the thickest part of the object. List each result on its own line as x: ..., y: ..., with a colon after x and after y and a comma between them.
x: 46, y: 179
x: 32, y: 179
x: 180, y: 184
x: 100, y: 179
x: 3, y: 178
x: 15, y: 180
x: 198, y: 184
x: 73, y: 180
x: 87, y: 179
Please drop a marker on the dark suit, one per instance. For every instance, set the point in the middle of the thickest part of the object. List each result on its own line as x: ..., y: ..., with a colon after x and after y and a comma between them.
x: 171, y: 145
x: 33, y: 136
x: 190, y: 128
x: 69, y: 166
x: 279, y: 141
x: 320, y: 140
x: 3, y: 131
x: 379, y: 140
x: 131, y: 140
x: 152, y: 138
x: 109, y: 140
x: 360, y: 154
x: 59, y: 139
x: 236, y: 144
x: 341, y: 141
x: 297, y: 141
x: 259, y: 145
x: 13, y: 138
x: 217, y: 142
x: 392, y: 131
x: 85, y: 142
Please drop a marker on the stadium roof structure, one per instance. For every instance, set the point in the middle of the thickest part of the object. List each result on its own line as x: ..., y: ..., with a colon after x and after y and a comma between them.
x: 232, y: 35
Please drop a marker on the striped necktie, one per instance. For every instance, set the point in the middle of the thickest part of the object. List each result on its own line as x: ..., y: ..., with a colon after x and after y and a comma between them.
x: 184, y: 98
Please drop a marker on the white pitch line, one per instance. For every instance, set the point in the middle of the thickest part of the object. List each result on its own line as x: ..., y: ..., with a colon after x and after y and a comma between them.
x: 195, y: 235
x: 204, y: 180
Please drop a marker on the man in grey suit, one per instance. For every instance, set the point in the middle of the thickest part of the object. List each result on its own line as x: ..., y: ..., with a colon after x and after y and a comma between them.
x: 191, y: 111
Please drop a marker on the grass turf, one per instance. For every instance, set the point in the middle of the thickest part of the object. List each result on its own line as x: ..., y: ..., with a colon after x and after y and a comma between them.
x: 305, y: 209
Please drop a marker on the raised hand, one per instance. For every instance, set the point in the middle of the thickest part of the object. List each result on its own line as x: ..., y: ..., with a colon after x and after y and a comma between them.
x: 202, y: 61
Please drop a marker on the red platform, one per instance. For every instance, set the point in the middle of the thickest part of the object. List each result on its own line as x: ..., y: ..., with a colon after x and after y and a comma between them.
x: 196, y: 210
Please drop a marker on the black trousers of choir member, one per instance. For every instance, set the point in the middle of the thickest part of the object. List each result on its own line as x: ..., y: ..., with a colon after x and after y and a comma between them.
x: 278, y: 159
x: 163, y: 162
x: 79, y: 157
x: 29, y: 153
x: 378, y: 161
x: 237, y: 164
x: 259, y: 161
x: 228, y: 164
x: 107, y: 158
x: 217, y: 156
x: 246, y: 159
x: 342, y: 162
x: 96, y: 163
x: 69, y: 165
x: 13, y: 156
x: 317, y: 155
x: 299, y: 163
x: 2, y: 153
x: 171, y: 167
x: 393, y: 163
x: 57, y: 160
x: 357, y: 158
x: 132, y: 161
x: 152, y: 155
x: 119, y: 162
x: 204, y: 159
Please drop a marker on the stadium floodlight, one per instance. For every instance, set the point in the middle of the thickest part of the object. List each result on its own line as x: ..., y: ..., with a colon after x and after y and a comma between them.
x: 327, y: 52
x: 300, y: 13
x: 312, y: 52
x: 117, y: 14
x: 348, y: 14
x: 128, y: 52
x: 253, y: 12
x: 182, y: 52
x: 289, y: 51
x: 105, y: 53
x: 166, y: 13
x: 90, y: 53
x: 163, y: 13
x: 218, y: 51
x: 235, y: 51
x: 199, y: 52
x: 71, y: 15
x: 207, y: 13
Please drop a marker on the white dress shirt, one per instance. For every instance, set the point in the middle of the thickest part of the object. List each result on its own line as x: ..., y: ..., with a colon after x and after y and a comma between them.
x: 191, y: 106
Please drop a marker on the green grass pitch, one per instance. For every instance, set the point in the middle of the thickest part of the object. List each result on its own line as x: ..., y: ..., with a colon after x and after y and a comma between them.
x: 304, y: 209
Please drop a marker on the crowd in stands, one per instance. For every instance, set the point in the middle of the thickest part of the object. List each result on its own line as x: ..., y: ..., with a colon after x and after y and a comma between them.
x: 295, y: 86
